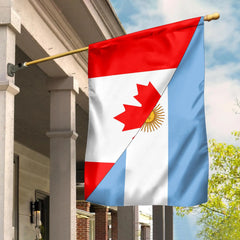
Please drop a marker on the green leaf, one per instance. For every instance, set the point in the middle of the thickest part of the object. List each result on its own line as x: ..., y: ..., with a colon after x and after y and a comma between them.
x: 220, y: 216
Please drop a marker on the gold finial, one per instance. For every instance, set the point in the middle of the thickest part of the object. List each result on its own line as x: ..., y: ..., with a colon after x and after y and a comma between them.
x: 213, y: 16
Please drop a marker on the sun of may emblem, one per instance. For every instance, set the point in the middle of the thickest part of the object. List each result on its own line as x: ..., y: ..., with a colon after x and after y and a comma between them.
x: 154, y: 120
x: 135, y: 116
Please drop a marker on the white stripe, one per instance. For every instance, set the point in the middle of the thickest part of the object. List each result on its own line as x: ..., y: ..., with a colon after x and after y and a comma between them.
x: 146, y: 180
x: 106, y: 140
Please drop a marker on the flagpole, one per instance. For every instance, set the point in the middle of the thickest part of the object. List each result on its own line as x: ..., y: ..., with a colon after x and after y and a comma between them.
x: 26, y: 64
x: 12, y: 69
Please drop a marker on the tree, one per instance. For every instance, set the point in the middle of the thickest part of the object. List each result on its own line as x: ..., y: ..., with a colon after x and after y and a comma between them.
x: 220, y: 216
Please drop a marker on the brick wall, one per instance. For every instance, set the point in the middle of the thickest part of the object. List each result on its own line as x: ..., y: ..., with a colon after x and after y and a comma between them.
x: 83, y: 223
x: 101, y: 223
x: 114, y: 219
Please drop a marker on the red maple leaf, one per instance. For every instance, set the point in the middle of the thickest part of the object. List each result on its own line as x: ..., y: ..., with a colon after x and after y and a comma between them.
x: 134, y: 116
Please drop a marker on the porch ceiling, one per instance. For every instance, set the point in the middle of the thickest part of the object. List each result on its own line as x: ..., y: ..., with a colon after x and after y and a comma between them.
x: 32, y: 112
x: 82, y: 22
x: 50, y: 27
x: 92, y: 20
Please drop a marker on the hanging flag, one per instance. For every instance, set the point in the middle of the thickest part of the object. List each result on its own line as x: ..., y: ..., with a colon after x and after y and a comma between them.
x: 147, y: 139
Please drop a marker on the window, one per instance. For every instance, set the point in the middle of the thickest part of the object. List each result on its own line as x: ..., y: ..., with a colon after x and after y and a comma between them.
x: 16, y: 196
x: 43, y: 198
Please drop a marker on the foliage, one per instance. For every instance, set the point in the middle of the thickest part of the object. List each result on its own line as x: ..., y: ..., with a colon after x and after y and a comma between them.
x: 237, y: 110
x: 220, y: 216
x: 236, y: 134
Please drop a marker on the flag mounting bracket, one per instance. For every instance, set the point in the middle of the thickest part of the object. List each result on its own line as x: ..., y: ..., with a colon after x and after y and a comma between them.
x: 12, y: 69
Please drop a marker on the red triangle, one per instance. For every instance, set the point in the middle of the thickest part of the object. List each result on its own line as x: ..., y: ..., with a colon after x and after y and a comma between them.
x: 94, y: 173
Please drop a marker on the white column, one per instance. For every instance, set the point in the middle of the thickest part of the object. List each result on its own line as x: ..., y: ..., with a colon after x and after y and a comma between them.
x: 128, y: 223
x: 169, y: 222
x: 62, y: 158
x: 9, y: 25
x: 162, y: 223
x: 158, y: 223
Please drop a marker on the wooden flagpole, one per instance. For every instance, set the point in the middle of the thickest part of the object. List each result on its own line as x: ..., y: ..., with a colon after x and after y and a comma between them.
x: 12, y: 69
x: 26, y: 64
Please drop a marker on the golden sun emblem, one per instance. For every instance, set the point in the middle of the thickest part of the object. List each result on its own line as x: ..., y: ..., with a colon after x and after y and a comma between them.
x: 154, y: 120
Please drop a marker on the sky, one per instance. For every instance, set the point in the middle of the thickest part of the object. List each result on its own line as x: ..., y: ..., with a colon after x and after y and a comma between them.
x: 222, y: 64
x: 222, y: 51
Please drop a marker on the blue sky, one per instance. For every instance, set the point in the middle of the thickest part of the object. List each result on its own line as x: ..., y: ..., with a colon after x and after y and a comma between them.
x: 222, y: 61
x: 222, y: 48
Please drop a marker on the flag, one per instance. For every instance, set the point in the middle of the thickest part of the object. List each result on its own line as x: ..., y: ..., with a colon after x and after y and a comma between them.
x: 147, y: 141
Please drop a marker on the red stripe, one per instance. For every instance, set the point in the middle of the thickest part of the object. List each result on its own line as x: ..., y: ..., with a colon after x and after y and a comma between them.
x: 94, y: 173
x: 153, y: 49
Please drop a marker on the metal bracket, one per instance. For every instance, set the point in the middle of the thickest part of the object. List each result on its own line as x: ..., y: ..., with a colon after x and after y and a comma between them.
x: 12, y: 69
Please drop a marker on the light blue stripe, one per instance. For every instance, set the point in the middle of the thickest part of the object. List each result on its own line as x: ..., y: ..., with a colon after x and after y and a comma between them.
x: 110, y: 191
x: 188, y: 155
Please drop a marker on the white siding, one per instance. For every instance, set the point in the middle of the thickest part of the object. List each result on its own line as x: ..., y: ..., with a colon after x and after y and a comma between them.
x: 33, y: 175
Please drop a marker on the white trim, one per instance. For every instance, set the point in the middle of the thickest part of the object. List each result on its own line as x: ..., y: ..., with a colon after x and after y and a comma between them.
x: 59, y: 25
x: 62, y: 134
x: 108, y: 23
x: 80, y: 185
x: 9, y: 17
x: 84, y: 213
x: 9, y: 87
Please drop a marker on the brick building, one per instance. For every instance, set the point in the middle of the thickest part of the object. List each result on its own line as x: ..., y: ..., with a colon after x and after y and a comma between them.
x: 44, y: 112
x: 44, y: 120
